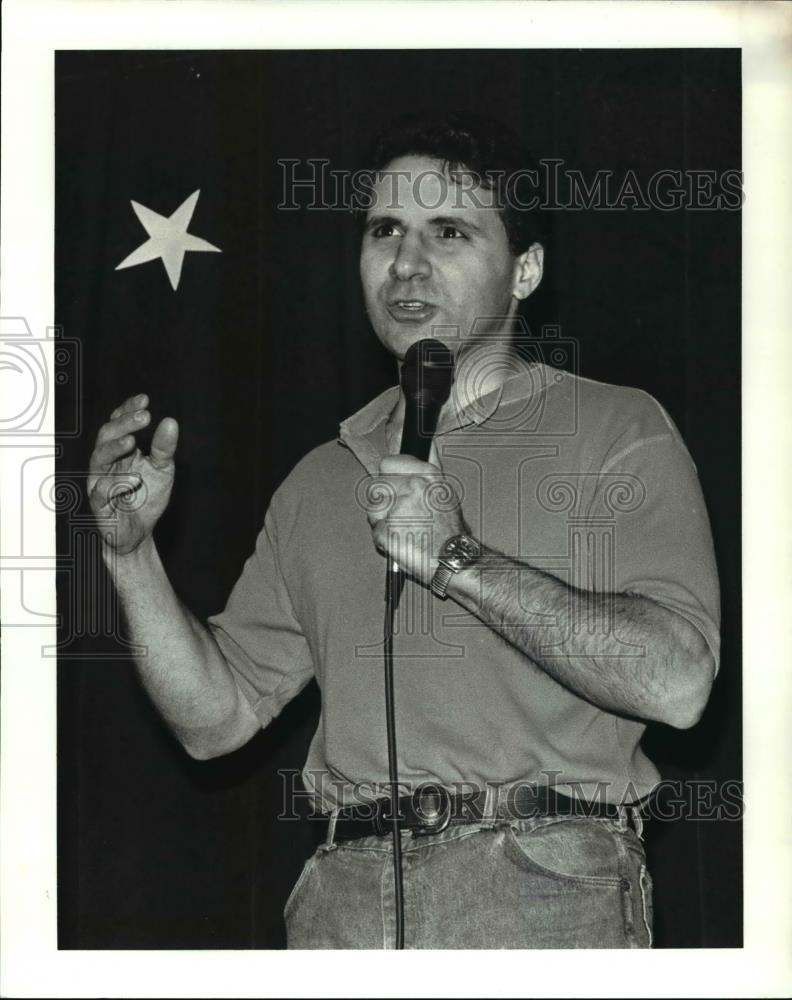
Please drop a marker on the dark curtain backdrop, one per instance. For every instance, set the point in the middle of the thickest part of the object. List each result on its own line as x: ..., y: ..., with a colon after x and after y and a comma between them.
x: 265, y: 347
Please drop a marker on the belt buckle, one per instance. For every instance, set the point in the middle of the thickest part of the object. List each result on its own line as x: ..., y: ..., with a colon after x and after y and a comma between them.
x: 434, y: 817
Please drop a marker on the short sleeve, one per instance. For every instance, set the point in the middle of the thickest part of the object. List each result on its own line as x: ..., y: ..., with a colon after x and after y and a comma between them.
x: 662, y: 543
x: 258, y: 632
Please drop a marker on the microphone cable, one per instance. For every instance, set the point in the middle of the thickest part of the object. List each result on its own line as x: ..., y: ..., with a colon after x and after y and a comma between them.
x: 426, y: 376
x: 394, y: 584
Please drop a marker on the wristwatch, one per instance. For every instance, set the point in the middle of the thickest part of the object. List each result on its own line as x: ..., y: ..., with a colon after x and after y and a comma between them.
x: 458, y: 552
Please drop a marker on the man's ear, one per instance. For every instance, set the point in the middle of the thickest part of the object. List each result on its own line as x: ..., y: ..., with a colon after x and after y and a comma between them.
x: 528, y: 269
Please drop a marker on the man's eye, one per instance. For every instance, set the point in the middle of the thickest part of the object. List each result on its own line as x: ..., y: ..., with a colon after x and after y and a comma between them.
x: 451, y: 233
x: 384, y: 229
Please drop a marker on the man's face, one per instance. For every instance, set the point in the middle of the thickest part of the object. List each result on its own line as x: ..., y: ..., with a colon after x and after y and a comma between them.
x: 434, y: 254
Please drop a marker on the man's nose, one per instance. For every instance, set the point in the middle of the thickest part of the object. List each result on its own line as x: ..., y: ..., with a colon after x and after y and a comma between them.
x: 411, y: 260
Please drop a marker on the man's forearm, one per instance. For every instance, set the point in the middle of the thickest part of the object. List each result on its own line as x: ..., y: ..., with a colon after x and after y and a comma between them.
x: 181, y: 668
x: 623, y: 652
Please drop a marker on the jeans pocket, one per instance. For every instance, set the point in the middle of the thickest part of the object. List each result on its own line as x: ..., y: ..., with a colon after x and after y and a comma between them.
x: 570, y: 850
x: 299, y: 885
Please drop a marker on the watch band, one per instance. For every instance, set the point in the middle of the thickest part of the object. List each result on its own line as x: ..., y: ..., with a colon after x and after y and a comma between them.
x: 441, y: 580
x: 457, y: 553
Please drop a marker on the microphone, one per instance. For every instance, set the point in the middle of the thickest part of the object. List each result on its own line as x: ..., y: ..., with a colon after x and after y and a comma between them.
x: 426, y: 377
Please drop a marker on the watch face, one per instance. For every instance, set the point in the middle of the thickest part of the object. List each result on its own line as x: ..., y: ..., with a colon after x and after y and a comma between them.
x: 460, y: 550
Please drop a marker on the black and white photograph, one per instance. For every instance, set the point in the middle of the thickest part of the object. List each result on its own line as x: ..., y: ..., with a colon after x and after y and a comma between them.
x: 392, y: 438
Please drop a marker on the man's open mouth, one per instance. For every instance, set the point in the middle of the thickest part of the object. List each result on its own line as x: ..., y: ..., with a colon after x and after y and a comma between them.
x: 411, y: 309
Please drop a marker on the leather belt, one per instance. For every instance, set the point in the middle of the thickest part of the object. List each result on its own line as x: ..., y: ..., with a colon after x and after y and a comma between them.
x: 431, y: 809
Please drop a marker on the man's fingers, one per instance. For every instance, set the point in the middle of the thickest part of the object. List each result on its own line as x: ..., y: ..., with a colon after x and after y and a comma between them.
x: 131, y: 404
x: 393, y: 465
x: 163, y: 444
x: 125, y: 423
x: 105, y: 454
x: 380, y: 535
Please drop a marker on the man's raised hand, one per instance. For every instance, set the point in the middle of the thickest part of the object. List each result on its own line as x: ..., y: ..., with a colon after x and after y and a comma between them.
x: 124, y: 484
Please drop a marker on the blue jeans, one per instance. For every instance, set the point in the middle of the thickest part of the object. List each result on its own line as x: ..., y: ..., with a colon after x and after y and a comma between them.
x: 548, y: 882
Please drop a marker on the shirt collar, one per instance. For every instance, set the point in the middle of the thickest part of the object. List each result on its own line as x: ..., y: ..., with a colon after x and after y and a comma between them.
x: 363, y: 433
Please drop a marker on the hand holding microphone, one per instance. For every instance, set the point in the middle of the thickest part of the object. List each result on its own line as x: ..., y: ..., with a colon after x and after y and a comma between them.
x: 423, y: 512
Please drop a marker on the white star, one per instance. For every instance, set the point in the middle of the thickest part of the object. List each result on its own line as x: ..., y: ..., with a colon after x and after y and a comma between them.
x: 168, y: 239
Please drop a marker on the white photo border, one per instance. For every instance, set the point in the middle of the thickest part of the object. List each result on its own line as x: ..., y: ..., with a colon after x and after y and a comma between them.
x: 33, y: 29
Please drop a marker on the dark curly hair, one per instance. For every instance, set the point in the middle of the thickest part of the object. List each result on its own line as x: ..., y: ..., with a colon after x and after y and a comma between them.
x: 474, y: 145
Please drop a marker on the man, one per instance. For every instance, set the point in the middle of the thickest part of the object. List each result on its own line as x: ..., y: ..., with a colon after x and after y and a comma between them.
x: 561, y: 591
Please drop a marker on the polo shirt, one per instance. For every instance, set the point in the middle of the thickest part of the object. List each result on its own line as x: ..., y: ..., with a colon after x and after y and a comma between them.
x: 588, y: 481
